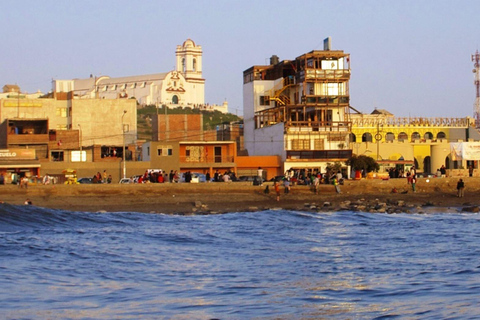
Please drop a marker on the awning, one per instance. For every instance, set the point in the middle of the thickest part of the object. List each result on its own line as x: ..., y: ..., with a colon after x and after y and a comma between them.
x: 19, y: 164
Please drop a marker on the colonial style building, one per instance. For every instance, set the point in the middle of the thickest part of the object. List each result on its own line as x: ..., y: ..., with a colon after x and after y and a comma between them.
x: 298, y: 109
x: 426, y: 143
x: 184, y: 86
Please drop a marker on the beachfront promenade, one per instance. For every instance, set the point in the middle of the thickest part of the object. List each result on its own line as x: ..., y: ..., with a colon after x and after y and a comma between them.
x: 223, y: 197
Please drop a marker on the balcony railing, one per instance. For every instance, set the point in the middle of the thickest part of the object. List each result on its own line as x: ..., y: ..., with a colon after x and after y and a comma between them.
x: 319, y: 154
x: 419, y: 122
x: 316, y: 99
x: 28, y: 138
x: 295, y: 126
x: 312, y: 74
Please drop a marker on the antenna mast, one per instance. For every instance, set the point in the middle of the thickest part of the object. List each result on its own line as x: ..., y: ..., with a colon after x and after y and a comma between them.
x: 476, y: 71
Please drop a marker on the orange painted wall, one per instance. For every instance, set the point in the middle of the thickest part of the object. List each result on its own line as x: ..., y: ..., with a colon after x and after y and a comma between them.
x: 272, y: 165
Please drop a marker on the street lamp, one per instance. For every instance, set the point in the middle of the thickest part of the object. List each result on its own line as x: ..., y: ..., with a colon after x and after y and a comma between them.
x: 123, y: 131
x: 80, y: 138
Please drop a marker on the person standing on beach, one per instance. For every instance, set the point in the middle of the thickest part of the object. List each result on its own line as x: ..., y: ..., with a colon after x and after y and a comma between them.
x: 260, y: 175
x: 316, y: 183
x: 335, y: 183
x: 286, y: 183
x: 105, y: 176
x: 277, y: 190
x: 414, y: 182
x: 460, y: 188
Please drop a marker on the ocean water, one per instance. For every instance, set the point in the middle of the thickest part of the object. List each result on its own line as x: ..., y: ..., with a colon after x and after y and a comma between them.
x: 256, y: 265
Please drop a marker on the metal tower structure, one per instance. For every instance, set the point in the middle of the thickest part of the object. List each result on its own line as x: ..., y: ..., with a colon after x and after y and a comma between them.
x: 476, y: 71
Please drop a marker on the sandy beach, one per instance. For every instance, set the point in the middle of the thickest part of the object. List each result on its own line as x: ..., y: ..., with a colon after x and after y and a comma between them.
x: 211, y: 198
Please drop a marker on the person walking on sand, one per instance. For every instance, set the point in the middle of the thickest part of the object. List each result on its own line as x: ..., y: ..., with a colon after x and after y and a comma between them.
x: 414, y: 182
x: 460, y: 188
x: 277, y: 190
x: 335, y: 183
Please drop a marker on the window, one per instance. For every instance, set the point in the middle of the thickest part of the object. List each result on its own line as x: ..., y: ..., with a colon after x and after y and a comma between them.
x: 56, y: 156
x: 352, y: 137
x: 402, y: 136
x: 428, y: 135
x: 264, y: 100
x: 194, y: 64
x: 318, y: 144
x: 61, y: 112
x: 367, y: 137
x: 164, y: 151
x: 300, y: 144
x: 415, y: 136
x: 441, y: 135
x: 390, y: 136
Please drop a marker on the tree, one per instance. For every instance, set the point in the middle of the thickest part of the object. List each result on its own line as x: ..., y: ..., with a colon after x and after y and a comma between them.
x: 363, y: 162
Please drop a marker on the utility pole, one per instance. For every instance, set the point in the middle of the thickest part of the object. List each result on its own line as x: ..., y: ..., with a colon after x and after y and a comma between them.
x: 476, y: 71
x: 123, y: 131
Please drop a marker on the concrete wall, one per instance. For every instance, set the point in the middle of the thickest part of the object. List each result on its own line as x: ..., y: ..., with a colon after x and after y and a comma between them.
x: 269, y: 141
x: 88, y: 169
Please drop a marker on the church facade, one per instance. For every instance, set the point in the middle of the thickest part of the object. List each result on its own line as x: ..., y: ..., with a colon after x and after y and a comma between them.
x: 184, y: 86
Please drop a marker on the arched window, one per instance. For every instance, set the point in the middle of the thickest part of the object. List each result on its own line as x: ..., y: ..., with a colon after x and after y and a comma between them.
x: 428, y: 135
x: 389, y: 136
x: 441, y: 135
x: 367, y: 137
x: 402, y: 136
x: 415, y: 136
x: 352, y: 137
x: 184, y: 67
x: 194, y: 64
x: 175, y: 99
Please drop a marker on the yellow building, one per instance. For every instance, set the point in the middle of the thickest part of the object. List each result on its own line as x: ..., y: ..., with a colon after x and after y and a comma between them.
x: 426, y: 143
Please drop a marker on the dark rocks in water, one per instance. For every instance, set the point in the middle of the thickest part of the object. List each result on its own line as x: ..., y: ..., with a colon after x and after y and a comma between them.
x: 472, y: 209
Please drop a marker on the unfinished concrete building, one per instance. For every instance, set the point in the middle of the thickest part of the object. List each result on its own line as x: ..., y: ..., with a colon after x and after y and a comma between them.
x: 299, y: 109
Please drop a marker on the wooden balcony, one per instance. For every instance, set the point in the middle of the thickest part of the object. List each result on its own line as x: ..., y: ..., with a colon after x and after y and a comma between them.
x: 28, y: 139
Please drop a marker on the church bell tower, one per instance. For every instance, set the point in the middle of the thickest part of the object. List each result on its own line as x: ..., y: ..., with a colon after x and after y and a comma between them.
x: 189, y: 60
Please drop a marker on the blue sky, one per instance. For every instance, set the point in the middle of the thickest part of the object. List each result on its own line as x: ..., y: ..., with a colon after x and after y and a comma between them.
x: 412, y: 58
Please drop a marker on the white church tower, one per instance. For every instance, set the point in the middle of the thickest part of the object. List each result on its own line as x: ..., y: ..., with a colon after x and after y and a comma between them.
x: 189, y: 65
x: 189, y: 60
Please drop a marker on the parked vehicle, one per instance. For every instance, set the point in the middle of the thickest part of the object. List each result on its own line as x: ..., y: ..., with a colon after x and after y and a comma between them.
x: 126, y: 181
x: 252, y: 179
x: 197, y: 177
x: 85, y: 180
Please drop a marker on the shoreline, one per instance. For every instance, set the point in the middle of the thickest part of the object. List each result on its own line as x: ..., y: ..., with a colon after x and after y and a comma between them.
x: 214, y: 198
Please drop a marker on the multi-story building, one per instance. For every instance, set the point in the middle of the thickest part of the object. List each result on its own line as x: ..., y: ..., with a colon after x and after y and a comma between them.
x: 299, y: 109
x: 63, y: 132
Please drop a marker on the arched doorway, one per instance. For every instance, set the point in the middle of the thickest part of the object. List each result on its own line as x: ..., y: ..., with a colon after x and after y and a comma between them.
x: 175, y: 99
x: 427, y: 165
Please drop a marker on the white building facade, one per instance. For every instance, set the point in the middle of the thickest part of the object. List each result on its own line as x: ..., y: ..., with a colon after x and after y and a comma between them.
x: 184, y: 86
